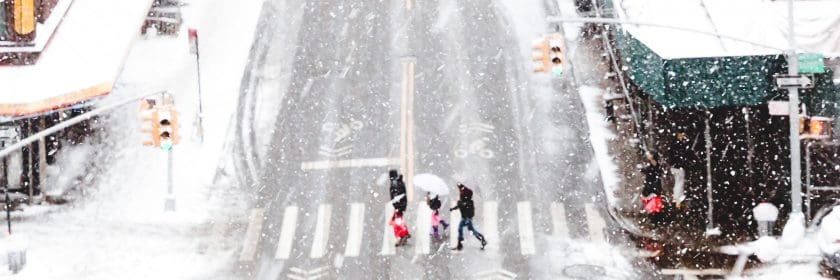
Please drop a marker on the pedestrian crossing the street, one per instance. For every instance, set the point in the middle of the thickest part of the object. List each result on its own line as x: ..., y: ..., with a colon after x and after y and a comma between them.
x: 290, y: 234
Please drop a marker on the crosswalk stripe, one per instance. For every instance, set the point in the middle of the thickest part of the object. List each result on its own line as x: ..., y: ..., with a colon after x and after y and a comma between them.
x: 287, y: 233
x: 354, y: 234
x: 558, y: 220
x: 388, y: 239
x: 454, y: 219
x: 490, y: 228
x: 526, y: 228
x: 252, y: 235
x: 424, y: 226
x: 596, y: 224
x: 322, y: 231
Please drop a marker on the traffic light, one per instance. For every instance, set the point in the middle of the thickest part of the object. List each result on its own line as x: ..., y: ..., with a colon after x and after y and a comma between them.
x: 24, y: 16
x: 149, y: 124
x: 168, y: 127
x: 555, y: 54
x: 540, y: 55
x: 814, y: 127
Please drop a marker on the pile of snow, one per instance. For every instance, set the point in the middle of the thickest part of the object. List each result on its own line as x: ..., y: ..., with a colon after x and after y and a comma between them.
x: 600, y: 135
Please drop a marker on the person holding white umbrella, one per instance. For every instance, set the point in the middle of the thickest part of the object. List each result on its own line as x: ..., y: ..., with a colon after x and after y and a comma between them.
x: 434, y: 187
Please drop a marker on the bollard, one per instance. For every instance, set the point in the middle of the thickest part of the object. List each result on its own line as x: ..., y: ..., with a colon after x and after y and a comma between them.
x: 765, y: 214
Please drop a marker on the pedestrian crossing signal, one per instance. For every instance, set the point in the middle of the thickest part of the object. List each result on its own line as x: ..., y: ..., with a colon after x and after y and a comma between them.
x: 24, y: 16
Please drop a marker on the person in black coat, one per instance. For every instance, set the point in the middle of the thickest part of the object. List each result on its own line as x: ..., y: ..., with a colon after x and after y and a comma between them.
x: 467, y: 208
x: 653, y: 177
x: 397, y: 189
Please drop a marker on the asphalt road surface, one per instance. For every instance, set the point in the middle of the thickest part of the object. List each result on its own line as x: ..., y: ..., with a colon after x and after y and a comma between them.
x: 426, y: 87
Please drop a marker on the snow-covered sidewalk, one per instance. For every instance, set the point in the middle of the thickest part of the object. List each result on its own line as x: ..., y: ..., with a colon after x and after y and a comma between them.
x: 119, y: 229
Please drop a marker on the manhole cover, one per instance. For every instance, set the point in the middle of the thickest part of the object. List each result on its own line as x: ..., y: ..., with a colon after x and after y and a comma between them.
x: 584, y: 271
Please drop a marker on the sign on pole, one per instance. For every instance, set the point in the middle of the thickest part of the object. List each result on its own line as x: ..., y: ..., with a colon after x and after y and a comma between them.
x: 793, y: 81
x: 810, y: 63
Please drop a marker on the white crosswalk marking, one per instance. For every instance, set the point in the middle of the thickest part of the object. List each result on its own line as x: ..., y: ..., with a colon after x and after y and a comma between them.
x: 454, y: 219
x: 490, y: 228
x: 287, y: 233
x: 424, y: 227
x: 355, y: 231
x: 526, y: 228
x: 252, y: 235
x: 322, y: 231
x: 596, y: 224
x: 388, y: 239
x: 558, y: 220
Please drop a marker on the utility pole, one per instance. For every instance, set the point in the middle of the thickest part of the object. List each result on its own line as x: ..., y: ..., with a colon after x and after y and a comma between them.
x: 793, y: 112
x: 6, y: 183
x: 193, y: 36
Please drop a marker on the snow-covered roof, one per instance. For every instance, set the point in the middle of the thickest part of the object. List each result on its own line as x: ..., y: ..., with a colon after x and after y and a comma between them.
x: 817, y: 26
x: 81, y: 61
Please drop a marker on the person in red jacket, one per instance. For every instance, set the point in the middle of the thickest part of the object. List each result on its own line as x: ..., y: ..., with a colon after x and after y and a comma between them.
x: 400, y: 229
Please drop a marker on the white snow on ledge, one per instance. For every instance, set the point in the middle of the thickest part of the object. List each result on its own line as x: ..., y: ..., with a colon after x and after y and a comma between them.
x: 600, y: 135
x: 761, y: 21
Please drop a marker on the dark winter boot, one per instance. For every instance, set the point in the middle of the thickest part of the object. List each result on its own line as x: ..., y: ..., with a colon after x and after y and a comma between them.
x: 460, y: 245
x: 483, y: 243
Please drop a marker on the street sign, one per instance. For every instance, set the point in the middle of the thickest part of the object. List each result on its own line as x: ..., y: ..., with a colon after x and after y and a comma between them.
x: 9, y: 133
x: 810, y: 63
x: 794, y: 81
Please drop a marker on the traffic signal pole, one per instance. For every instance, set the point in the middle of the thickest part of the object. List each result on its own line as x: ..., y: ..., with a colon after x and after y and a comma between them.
x: 170, y: 198
x: 793, y: 112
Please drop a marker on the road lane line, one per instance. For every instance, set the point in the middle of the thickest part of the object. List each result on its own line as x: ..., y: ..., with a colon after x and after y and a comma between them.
x: 558, y: 220
x: 322, y: 231
x: 388, y: 239
x: 596, y: 224
x: 287, y: 233
x: 348, y: 163
x: 526, y: 228
x: 424, y: 227
x: 404, y: 117
x: 490, y: 228
x: 252, y: 235
x: 410, y: 151
x: 356, y: 230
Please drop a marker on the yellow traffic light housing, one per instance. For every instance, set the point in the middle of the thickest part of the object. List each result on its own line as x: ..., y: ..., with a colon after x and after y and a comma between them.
x: 24, y: 16
x: 540, y: 55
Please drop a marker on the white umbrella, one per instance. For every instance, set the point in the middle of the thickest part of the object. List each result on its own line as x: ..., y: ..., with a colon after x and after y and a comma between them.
x: 431, y: 183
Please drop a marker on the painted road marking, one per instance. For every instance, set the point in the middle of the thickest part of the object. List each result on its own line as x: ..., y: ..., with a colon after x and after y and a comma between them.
x: 454, y: 220
x: 596, y: 224
x: 354, y: 234
x: 287, y: 233
x: 424, y: 227
x: 252, y: 235
x: 491, y: 224
x: 388, y: 239
x: 558, y: 220
x: 408, y: 4
x: 322, y: 231
x: 407, y: 127
x: 348, y: 163
x: 526, y: 228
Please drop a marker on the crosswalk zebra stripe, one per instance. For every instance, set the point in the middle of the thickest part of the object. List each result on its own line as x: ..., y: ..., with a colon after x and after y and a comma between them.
x: 526, y: 228
x: 490, y: 228
x: 252, y: 235
x: 454, y: 219
x: 424, y: 226
x: 388, y: 239
x: 558, y: 220
x: 355, y: 230
x: 322, y: 231
x: 287, y: 233
x: 596, y: 224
